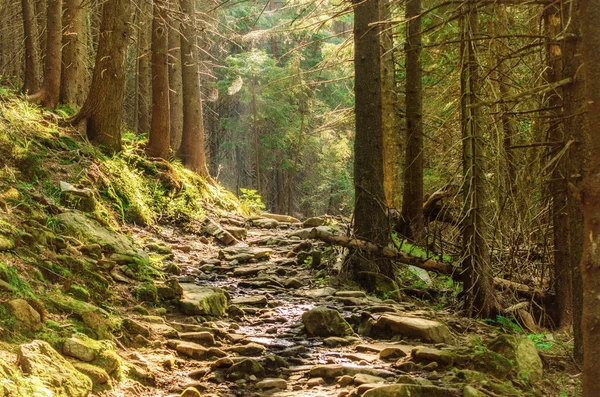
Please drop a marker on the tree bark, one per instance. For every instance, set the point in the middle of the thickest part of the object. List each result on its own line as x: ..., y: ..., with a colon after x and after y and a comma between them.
x: 48, y: 95
x: 412, y: 200
x: 590, y: 198
x: 175, y: 85
x: 144, y: 72
x: 192, y: 151
x: 392, y: 138
x: 103, y: 109
x: 73, y: 88
x: 159, y: 141
x: 477, y: 278
x: 32, y: 57
x: 370, y: 215
x: 577, y: 158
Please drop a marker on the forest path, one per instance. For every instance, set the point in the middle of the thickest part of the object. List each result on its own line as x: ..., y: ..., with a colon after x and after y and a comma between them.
x: 261, y: 348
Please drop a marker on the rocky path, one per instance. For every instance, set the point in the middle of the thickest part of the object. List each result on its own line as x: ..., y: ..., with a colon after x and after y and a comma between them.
x: 255, y: 318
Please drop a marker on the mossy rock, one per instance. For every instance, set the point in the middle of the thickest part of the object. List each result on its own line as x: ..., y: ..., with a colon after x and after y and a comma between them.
x: 492, y: 363
x: 146, y: 292
x: 6, y: 243
x: 82, y: 348
x: 322, y: 321
x: 199, y: 300
x: 38, y: 359
x: 98, y: 375
x: 522, y: 352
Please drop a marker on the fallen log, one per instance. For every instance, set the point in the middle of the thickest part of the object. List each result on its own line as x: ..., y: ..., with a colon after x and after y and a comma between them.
x: 400, y: 256
x: 522, y: 289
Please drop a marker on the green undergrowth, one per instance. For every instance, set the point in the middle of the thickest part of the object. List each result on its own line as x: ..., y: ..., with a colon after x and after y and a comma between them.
x: 60, y: 276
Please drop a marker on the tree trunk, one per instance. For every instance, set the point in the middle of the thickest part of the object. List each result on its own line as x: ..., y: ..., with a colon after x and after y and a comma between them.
x: 392, y: 139
x: 577, y: 160
x: 477, y: 278
x: 412, y: 200
x: 144, y: 72
x: 192, y: 152
x: 590, y: 198
x: 75, y: 55
x: 175, y: 86
x: 159, y: 141
x: 103, y: 109
x: 370, y: 215
x: 32, y: 58
x: 48, y: 95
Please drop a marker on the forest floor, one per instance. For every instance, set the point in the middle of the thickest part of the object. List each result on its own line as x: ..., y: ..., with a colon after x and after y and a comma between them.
x: 262, y: 348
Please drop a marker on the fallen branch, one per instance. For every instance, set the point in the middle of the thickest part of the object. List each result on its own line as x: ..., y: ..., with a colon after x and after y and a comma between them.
x: 532, y: 292
x: 400, y: 256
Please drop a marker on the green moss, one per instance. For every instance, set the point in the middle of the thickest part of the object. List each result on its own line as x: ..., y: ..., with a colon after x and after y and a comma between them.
x: 146, y: 292
x: 80, y: 292
x: 21, y: 288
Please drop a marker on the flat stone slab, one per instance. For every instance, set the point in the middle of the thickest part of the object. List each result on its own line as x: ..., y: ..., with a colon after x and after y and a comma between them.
x: 330, y: 371
x: 390, y: 325
x: 199, y: 300
x: 404, y: 390
x: 246, y: 271
x: 244, y: 254
x: 254, y: 300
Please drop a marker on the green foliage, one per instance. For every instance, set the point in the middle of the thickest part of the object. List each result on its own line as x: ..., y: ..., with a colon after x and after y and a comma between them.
x: 251, y: 201
x: 506, y: 324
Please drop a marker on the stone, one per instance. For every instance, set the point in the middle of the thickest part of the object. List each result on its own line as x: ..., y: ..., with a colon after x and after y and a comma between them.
x: 134, y: 327
x: 322, y: 321
x: 470, y: 391
x: 251, y: 349
x: 391, y: 353
x: 272, y: 383
x: 169, y: 290
x: 238, y: 232
x: 444, y: 357
x: 293, y: 283
x: 247, y: 271
x: 190, y: 392
x: 314, y: 222
x: 390, y: 325
x: 79, y: 225
x: 405, y: 390
x: 250, y: 300
x: 212, y: 228
x: 335, y: 341
x: 199, y: 300
x: 319, y: 292
x: 314, y: 382
x: 246, y: 367
x: 265, y: 223
x: 98, y: 375
x: 203, y: 338
x: 360, y: 379
x: 27, y: 317
x: 351, y: 294
x: 331, y: 371
x: 245, y: 253
x: 67, y: 188
x: 522, y: 353
x: 38, y: 359
x: 189, y: 349
x: 82, y: 348
x: 304, y: 233
x: 281, y: 218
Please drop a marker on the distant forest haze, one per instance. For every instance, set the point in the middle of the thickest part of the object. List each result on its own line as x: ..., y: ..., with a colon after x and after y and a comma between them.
x: 469, y: 128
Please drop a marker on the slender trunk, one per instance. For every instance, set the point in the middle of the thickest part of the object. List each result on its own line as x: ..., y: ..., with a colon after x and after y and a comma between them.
x: 562, y: 275
x: 48, y: 95
x: 477, y: 277
x: 175, y: 86
x: 412, y: 200
x: 578, y: 158
x: 292, y: 172
x: 103, y: 109
x: 144, y: 77
x: 392, y: 138
x: 192, y: 152
x: 590, y: 198
x: 255, y: 135
x: 159, y: 141
x: 32, y: 58
x: 370, y: 214
x: 73, y: 89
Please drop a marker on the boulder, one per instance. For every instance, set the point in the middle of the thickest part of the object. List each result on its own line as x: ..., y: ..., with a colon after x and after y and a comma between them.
x: 27, y: 317
x: 322, y: 321
x: 404, y: 390
x: 443, y: 357
x: 82, y: 348
x: 522, y: 353
x: 38, y: 359
x: 199, y: 300
x: 245, y: 368
x: 281, y: 218
x: 272, y: 383
x: 212, y: 228
x: 265, y: 223
x: 238, y: 232
x: 250, y: 349
x: 390, y: 325
x: 98, y: 375
x: 79, y: 225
